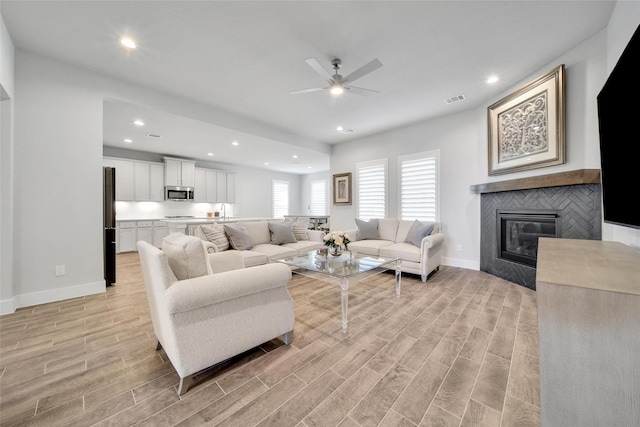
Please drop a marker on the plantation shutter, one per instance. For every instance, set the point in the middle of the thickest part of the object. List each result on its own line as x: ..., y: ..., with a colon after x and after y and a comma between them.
x: 280, y: 198
x: 319, y: 197
x: 372, y: 184
x: 418, y: 186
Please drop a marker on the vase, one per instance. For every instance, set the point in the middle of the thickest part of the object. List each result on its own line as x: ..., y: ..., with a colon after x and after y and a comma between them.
x: 337, y: 251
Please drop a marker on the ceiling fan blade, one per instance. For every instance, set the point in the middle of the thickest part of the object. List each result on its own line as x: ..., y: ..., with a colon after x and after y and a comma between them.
x: 363, y: 71
x: 313, y: 63
x: 361, y: 91
x: 314, y: 89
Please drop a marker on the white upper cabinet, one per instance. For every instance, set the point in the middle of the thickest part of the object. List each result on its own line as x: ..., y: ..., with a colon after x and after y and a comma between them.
x: 231, y: 188
x: 179, y: 173
x: 205, y: 186
x: 156, y: 182
x: 124, y: 180
x: 138, y: 181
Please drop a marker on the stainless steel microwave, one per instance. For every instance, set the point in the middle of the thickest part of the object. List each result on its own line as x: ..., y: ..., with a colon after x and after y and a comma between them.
x: 178, y: 194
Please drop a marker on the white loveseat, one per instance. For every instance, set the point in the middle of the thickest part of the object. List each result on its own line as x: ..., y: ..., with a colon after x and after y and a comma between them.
x: 420, y: 258
x: 261, y: 247
x: 204, y: 311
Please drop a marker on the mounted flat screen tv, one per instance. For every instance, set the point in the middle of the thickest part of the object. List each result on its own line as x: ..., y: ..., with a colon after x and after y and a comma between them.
x: 619, y: 125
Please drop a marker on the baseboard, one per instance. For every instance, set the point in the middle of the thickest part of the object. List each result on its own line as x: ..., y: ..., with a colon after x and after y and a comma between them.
x: 462, y: 263
x: 58, y: 294
x: 7, y: 306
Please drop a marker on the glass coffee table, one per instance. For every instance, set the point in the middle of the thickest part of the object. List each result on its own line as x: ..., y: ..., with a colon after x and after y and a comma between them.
x: 344, y: 269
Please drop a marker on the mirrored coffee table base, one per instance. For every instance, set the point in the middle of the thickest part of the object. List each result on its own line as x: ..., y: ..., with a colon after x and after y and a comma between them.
x: 344, y: 269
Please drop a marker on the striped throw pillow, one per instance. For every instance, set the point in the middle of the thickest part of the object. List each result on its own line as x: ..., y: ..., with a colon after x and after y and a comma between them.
x: 215, y: 234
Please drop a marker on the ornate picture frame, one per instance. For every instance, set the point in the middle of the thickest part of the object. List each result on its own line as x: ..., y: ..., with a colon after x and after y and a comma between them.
x: 527, y: 127
x: 342, y: 189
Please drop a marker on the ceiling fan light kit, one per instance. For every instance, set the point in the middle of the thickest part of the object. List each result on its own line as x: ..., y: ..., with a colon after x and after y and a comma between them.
x: 337, y: 83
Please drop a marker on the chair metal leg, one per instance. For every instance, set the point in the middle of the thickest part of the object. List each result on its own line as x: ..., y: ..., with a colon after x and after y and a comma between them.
x: 185, y: 383
x: 286, y: 338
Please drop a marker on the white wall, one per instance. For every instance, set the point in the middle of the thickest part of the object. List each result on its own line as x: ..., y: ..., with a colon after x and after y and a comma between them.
x: 7, y: 303
x: 623, y: 23
x: 462, y: 140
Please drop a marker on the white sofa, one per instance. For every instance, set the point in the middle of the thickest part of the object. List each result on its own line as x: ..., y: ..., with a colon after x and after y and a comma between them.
x: 391, y: 242
x: 217, y: 311
x: 262, y: 249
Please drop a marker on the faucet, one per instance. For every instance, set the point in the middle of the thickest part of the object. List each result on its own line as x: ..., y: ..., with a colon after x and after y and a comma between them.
x: 223, y: 208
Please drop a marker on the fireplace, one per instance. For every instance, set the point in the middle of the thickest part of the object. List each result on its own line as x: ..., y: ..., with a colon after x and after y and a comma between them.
x: 514, y: 214
x: 518, y: 232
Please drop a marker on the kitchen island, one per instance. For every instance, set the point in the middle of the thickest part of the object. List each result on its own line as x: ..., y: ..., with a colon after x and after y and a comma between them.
x: 184, y: 225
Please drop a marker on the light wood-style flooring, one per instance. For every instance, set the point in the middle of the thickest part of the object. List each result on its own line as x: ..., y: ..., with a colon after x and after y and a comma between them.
x: 460, y: 350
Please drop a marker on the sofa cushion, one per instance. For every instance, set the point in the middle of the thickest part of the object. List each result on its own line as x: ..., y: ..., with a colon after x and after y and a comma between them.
x: 418, y: 231
x: 404, y: 251
x: 388, y: 228
x: 304, y: 247
x: 253, y: 258
x: 274, y: 252
x: 258, y: 231
x: 368, y: 247
x: 239, y: 237
x: 300, y: 230
x: 281, y: 233
x: 186, y: 255
x: 367, y: 230
x: 216, y: 235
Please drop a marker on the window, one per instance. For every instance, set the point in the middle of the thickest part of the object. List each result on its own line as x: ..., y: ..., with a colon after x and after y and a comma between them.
x: 372, y: 189
x: 280, y: 198
x: 319, y: 197
x: 418, y: 181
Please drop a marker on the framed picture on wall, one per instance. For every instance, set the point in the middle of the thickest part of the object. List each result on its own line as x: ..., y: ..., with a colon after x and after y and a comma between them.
x: 527, y: 127
x: 342, y: 189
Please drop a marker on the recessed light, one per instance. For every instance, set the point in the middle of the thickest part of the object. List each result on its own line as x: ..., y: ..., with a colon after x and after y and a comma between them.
x: 128, y: 140
x: 492, y: 79
x: 295, y: 156
x: 138, y: 122
x: 236, y: 143
x: 209, y: 154
x: 309, y: 167
x: 127, y: 42
x: 339, y: 128
x: 266, y: 163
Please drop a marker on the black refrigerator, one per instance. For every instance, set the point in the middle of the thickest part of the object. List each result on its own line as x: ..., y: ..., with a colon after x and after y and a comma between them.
x: 109, y: 225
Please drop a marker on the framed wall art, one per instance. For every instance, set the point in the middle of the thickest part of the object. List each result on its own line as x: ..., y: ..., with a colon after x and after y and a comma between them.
x: 342, y: 189
x: 527, y: 127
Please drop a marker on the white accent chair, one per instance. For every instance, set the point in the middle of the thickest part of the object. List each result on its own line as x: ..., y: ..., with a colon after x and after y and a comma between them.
x: 201, y: 321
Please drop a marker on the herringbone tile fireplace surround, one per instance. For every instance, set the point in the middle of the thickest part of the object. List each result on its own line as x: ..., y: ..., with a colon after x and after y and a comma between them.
x: 575, y: 196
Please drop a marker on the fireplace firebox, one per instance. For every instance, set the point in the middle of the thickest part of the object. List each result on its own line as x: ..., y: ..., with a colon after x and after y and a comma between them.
x: 518, y: 232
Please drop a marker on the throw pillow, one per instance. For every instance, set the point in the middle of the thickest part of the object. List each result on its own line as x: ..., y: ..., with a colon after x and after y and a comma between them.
x: 418, y: 231
x: 300, y: 230
x: 185, y: 255
x: 367, y: 230
x: 215, y: 234
x: 281, y: 233
x: 239, y: 237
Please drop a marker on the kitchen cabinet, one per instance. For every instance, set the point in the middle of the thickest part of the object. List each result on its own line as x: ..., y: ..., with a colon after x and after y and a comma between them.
x: 145, y: 231
x: 124, y: 180
x: 160, y: 231
x: 206, y: 186
x: 179, y: 173
x: 156, y: 182
x: 140, y: 181
x: 137, y: 181
x: 126, y: 235
x: 225, y: 187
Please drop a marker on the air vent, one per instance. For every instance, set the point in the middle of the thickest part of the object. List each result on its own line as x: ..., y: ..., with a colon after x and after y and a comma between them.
x: 153, y: 135
x: 456, y: 98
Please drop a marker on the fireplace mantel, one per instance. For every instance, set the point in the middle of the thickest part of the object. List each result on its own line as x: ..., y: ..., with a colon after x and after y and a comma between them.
x: 580, y: 176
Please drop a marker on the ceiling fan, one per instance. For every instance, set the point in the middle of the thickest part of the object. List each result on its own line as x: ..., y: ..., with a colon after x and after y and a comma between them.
x: 337, y: 83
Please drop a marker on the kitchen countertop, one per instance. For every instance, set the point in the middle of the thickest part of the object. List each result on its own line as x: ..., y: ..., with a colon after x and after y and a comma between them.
x: 207, y: 220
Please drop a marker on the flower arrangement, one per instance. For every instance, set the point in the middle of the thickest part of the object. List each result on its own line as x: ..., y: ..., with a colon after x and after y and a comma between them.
x: 337, y: 239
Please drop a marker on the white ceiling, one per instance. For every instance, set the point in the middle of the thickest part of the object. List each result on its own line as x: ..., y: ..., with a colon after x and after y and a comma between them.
x: 244, y: 57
